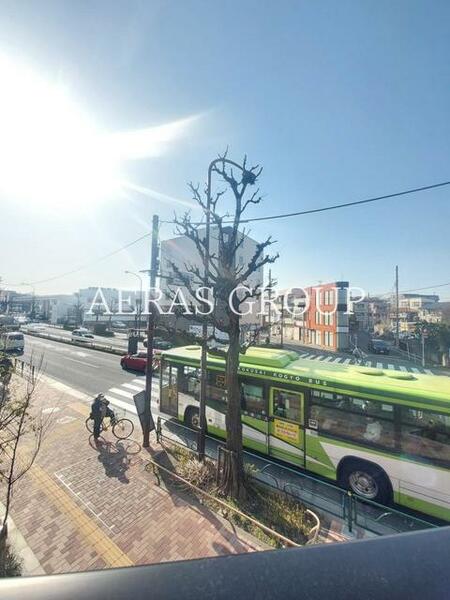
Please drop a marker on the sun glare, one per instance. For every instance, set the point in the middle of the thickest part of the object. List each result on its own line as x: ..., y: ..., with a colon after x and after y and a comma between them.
x: 51, y: 154
x: 53, y: 157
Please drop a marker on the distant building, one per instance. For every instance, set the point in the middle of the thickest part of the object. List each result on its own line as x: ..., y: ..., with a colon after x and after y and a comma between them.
x: 182, y: 252
x: 112, y: 296
x: 370, y: 314
x: 323, y: 324
x: 414, y: 308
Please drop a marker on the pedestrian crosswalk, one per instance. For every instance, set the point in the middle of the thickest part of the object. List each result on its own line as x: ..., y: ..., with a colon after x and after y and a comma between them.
x: 368, y: 363
x: 122, y: 395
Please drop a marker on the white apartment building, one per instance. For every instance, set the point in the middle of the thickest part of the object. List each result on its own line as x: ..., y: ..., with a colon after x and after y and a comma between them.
x: 182, y: 252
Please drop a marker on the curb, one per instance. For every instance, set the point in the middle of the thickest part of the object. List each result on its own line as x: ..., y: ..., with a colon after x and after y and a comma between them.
x: 30, y: 563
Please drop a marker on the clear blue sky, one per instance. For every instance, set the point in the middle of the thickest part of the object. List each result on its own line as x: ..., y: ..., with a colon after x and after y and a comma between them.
x: 337, y: 100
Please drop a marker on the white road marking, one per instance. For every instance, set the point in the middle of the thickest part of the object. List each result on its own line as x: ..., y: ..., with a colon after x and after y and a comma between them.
x: 428, y: 372
x: 130, y: 386
x: 81, y: 354
x: 82, y: 362
x: 368, y: 363
x: 330, y: 358
x: 130, y: 407
x: 415, y: 370
x: 319, y: 357
x: 404, y: 369
x: 347, y: 361
x: 391, y: 367
x: 141, y: 382
x: 123, y: 393
x: 121, y: 404
x: 62, y: 387
x: 379, y: 365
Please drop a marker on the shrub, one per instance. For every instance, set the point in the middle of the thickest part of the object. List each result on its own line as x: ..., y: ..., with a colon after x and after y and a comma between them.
x: 10, y: 563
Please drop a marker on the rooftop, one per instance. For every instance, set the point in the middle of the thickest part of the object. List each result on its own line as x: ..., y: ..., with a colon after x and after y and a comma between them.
x: 435, y: 388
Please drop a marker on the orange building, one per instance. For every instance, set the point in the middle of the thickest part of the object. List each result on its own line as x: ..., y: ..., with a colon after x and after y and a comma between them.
x: 324, y: 322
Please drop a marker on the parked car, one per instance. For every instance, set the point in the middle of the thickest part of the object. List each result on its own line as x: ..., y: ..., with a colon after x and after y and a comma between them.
x: 82, y: 335
x: 138, y: 361
x: 34, y: 327
x: 379, y: 347
x: 159, y: 344
x: 119, y: 325
x: 12, y: 341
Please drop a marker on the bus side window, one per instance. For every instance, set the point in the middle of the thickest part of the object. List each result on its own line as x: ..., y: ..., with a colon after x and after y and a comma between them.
x: 426, y: 434
x: 216, y: 388
x: 253, y: 401
x: 348, y: 417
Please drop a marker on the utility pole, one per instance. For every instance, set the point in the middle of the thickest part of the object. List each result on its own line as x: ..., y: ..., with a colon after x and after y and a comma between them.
x: 397, y: 316
x: 282, y: 322
x: 270, y: 305
x: 424, y: 333
x: 150, y: 333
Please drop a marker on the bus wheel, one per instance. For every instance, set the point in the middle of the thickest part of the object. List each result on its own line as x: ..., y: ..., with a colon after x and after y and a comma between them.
x: 366, y: 480
x: 192, y: 418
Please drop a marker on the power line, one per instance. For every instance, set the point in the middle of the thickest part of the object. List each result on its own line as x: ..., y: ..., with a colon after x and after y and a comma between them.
x: 346, y: 204
x: 334, y: 206
x: 265, y: 218
x: 428, y: 287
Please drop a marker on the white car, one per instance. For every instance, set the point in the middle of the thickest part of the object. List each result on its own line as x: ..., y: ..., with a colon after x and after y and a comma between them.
x: 82, y: 335
x: 12, y: 341
x: 34, y: 327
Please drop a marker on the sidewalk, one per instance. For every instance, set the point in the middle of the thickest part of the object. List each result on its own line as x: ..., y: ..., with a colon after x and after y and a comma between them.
x: 81, y: 507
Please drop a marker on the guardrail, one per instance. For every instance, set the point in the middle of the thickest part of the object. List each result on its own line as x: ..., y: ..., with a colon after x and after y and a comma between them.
x: 311, y: 490
x: 92, y: 345
x: 228, y: 507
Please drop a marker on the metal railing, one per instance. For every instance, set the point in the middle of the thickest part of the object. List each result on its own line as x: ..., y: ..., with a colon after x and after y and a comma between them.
x: 311, y: 490
x: 313, y: 532
x: 92, y: 345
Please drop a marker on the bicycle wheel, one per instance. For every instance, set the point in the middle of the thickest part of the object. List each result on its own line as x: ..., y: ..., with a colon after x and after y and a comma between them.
x: 90, y: 425
x: 123, y: 428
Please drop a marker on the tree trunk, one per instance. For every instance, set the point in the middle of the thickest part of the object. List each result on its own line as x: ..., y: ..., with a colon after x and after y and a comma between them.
x: 233, y: 471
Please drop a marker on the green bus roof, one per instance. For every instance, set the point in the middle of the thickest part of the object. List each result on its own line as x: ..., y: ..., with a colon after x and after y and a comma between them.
x: 285, y: 365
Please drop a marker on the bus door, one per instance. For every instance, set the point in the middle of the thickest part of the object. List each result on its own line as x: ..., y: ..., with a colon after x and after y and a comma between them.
x: 286, y: 427
x: 169, y: 389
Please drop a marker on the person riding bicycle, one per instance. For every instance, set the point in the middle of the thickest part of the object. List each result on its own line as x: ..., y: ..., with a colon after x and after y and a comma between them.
x: 100, y: 410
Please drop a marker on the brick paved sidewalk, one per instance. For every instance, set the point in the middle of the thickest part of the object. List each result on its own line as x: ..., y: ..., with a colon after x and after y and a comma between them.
x: 81, y: 507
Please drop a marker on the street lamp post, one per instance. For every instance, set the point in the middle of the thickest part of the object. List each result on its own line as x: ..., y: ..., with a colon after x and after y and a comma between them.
x: 138, y: 312
x: 249, y: 178
x: 33, y: 298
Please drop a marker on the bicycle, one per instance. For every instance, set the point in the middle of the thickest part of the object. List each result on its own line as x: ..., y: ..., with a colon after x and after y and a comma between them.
x: 121, y: 428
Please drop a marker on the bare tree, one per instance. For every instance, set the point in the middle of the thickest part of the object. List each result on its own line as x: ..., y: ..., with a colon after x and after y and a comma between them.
x: 79, y: 309
x: 22, y: 429
x: 225, y: 276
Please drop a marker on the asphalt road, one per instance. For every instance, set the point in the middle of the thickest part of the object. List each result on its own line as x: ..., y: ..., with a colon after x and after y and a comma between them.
x: 84, y: 369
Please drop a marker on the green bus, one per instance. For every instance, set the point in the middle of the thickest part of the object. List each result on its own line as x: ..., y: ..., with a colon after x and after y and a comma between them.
x: 385, y: 435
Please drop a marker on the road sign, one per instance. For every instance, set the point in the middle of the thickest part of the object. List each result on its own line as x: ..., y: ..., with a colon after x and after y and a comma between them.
x: 139, y: 401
